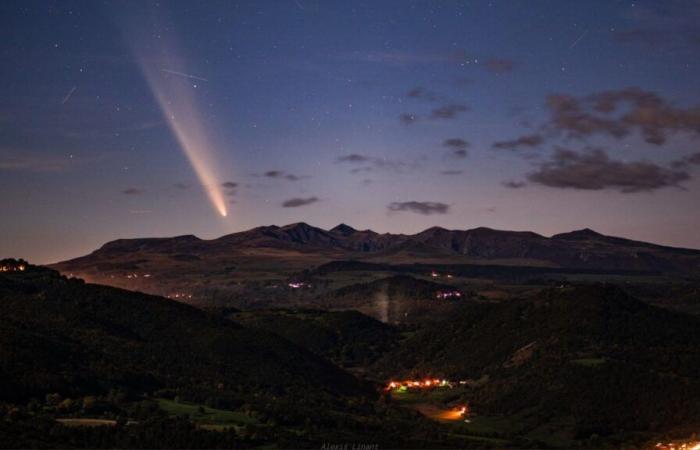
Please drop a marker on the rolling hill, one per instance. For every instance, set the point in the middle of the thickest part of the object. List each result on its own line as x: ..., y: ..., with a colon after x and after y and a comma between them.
x: 62, y: 335
x: 129, y: 370
x: 579, y: 361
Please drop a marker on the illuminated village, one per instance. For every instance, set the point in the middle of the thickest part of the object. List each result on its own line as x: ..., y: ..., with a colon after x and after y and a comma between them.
x: 693, y: 445
x: 443, y: 295
x: 428, y: 383
x: 13, y: 265
x: 459, y: 412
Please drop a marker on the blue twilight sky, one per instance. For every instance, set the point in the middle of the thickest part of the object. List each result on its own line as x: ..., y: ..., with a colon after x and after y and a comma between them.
x: 392, y: 115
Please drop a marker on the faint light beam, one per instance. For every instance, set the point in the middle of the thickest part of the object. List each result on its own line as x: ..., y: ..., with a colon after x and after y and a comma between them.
x: 185, y: 75
x: 579, y: 39
x: 68, y: 95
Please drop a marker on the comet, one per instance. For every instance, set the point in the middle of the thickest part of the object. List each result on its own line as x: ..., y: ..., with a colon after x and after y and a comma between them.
x: 178, y: 104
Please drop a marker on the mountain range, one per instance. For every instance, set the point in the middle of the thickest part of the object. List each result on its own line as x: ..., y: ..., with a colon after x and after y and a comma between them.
x: 182, y: 264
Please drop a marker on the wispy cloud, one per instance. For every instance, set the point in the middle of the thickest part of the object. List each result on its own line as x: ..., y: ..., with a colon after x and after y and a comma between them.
x: 448, y: 111
x: 365, y: 163
x: 421, y: 93
x: 230, y: 188
x: 458, y: 147
x: 526, y: 141
x: 133, y: 191
x: 354, y: 158
x: 282, y: 175
x: 424, y: 208
x: 514, y: 184
x: 297, y: 202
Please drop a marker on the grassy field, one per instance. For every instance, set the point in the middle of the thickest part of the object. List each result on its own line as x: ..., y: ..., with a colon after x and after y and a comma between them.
x: 77, y: 422
x: 439, y: 404
x: 205, y: 416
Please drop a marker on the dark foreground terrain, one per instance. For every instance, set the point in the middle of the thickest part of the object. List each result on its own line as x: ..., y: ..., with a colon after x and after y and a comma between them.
x: 162, y: 374
x: 539, y: 365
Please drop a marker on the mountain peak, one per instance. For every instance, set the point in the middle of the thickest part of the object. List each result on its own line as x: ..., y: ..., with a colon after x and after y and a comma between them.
x: 585, y: 233
x: 432, y: 231
x: 298, y: 226
x: 343, y: 229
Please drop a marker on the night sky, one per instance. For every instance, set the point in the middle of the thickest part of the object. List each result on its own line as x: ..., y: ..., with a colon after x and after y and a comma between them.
x: 134, y: 119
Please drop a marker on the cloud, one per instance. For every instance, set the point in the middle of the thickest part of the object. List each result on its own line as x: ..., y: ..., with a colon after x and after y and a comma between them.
x: 496, y: 65
x: 595, y: 170
x: 407, y: 119
x: 449, y: 111
x: 458, y: 147
x: 619, y: 113
x: 455, y: 143
x: 133, y: 191
x: 451, y: 172
x: 425, y: 208
x: 686, y: 161
x: 230, y: 188
x: 354, y: 158
x: 369, y: 163
x: 514, y: 184
x: 280, y: 174
x: 529, y: 140
x: 296, y: 202
x: 422, y: 93
x: 362, y: 169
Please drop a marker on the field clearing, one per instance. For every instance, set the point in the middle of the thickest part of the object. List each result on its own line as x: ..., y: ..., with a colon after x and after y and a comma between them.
x: 78, y: 422
x: 204, y: 415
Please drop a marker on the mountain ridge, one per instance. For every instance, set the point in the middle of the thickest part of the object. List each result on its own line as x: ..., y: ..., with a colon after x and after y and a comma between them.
x: 302, y: 232
x: 181, y: 265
